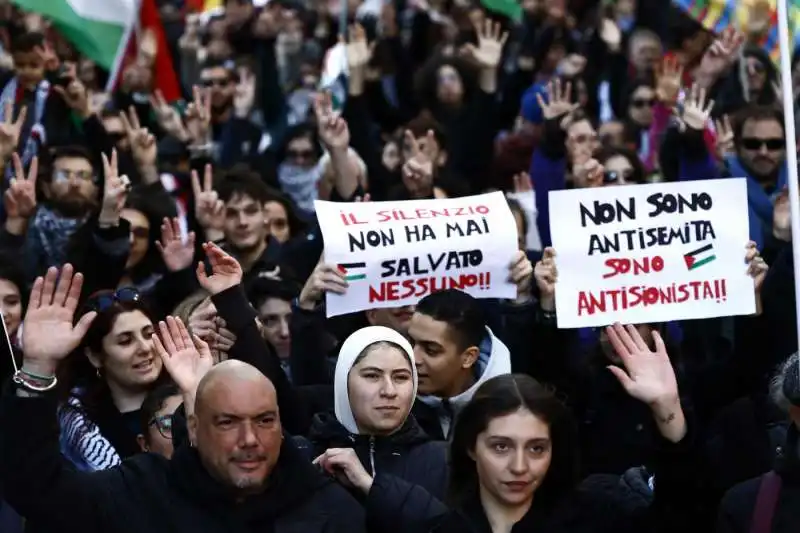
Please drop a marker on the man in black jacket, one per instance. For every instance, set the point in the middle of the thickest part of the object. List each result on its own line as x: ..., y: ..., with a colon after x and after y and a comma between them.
x: 240, y: 475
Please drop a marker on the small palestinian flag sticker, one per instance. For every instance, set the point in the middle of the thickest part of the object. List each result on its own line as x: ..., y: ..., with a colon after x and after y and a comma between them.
x: 348, y: 268
x: 699, y: 257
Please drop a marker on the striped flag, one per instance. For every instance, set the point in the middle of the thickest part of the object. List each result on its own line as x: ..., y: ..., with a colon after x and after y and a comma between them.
x: 701, y: 256
x: 351, y: 271
x: 716, y: 15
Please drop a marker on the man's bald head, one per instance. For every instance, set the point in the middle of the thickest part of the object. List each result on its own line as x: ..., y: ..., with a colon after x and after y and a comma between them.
x: 236, y: 427
x: 229, y: 374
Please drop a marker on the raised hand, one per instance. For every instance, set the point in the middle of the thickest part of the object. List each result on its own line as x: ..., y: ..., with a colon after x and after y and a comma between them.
x: 696, y: 111
x: 669, y: 77
x: 226, y: 272
x: 169, y: 119
x: 546, y: 275
x: 344, y: 465
x: 209, y: 210
x: 20, y: 197
x: 722, y: 53
x: 10, y: 129
x: 588, y: 173
x: 724, y: 139
x: 756, y: 266
x: 49, y: 334
x: 611, y: 34
x: 198, y: 117
x: 76, y: 97
x: 187, y: 358
x: 650, y: 377
x: 522, y: 182
x: 325, y: 278
x: 559, y: 100
x: 520, y: 272
x: 115, y: 191
x: 176, y: 252
x: 490, y: 45
x: 143, y: 144
x: 333, y: 130
x: 418, y: 169
x: 358, y: 51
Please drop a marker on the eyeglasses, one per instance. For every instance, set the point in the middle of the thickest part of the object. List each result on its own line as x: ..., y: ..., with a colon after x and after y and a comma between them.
x: 163, y: 424
x: 215, y: 82
x: 643, y: 102
x: 752, y: 143
x: 66, y: 175
x: 102, y: 301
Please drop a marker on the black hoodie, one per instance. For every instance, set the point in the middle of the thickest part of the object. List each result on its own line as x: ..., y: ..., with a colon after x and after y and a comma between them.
x: 150, y: 493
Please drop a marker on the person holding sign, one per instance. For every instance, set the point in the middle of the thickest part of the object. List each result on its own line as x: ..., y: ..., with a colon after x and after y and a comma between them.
x: 616, y: 433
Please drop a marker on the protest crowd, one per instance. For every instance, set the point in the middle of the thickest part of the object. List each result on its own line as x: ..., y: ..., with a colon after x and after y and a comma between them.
x: 397, y: 266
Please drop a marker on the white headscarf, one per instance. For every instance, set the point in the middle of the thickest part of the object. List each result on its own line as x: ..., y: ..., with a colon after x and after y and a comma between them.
x: 350, y: 350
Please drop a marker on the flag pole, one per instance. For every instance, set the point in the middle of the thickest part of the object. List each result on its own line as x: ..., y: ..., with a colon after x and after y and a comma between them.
x: 791, y: 163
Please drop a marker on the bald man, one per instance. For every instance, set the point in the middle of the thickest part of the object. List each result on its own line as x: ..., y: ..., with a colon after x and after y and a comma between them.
x: 240, y: 474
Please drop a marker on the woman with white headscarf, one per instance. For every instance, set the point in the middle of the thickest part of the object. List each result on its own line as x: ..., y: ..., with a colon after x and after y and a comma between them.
x: 372, y: 440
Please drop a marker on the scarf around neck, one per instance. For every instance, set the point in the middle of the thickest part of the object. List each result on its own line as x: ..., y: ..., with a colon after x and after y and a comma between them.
x: 29, y: 147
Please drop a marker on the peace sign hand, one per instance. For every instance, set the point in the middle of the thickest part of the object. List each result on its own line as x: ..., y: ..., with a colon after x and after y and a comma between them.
x: 696, y: 111
x: 418, y: 169
x: 209, y: 210
x: 168, y: 117
x: 10, y: 129
x: 20, y: 198
x: 333, y: 130
x: 559, y: 100
x: 115, y: 191
x: 198, y: 117
x: 490, y: 45
x: 143, y: 144
x: 226, y: 272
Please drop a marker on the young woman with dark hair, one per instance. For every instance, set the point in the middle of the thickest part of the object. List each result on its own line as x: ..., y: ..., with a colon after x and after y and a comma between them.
x: 513, y: 459
x: 100, y: 417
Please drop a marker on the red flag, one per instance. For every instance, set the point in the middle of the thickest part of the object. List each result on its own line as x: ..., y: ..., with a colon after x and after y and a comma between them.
x: 165, y: 77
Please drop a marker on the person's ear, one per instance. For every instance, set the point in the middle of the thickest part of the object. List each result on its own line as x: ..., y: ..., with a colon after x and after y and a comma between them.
x: 441, y: 158
x: 93, y: 358
x: 191, y: 428
x: 140, y: 440
x: 370, y: 314
x: 470, y: 356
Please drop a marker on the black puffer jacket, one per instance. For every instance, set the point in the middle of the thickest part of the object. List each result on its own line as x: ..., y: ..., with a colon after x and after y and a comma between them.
x: 738, y: 505
x: 409, y: 453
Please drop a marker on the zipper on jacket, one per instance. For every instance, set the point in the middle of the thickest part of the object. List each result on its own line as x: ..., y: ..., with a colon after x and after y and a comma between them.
x: 372, y: 455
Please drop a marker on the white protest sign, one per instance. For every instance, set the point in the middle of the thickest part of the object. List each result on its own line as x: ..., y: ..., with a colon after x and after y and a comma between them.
x: 396, y: 253
x: 651, y: 253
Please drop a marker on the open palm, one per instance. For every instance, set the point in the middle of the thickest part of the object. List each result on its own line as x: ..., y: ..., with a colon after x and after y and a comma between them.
x: 226, y: 272
x: 650, y: 377
x: 186, y: 358
x: 49, y: 333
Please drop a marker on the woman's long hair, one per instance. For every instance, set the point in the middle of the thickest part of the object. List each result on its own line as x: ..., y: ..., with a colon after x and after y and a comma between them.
x: 501, y: 396
x: 81, y: 380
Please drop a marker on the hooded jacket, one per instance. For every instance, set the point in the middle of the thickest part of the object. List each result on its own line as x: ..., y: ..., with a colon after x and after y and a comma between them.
x: 436, y: 414
x: 151, y: 493
x: 408, y: 453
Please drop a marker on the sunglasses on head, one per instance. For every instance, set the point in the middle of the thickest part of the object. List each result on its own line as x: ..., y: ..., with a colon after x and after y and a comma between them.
x: 752, y: 143
x: 102, y: 301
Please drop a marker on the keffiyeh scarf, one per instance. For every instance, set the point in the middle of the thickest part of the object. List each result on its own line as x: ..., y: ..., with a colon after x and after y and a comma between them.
x: 13, y: 93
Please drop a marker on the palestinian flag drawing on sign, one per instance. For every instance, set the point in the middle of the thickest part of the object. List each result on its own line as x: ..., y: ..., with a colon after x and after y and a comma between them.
x: 699, y: 257
x: 353, y: 276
